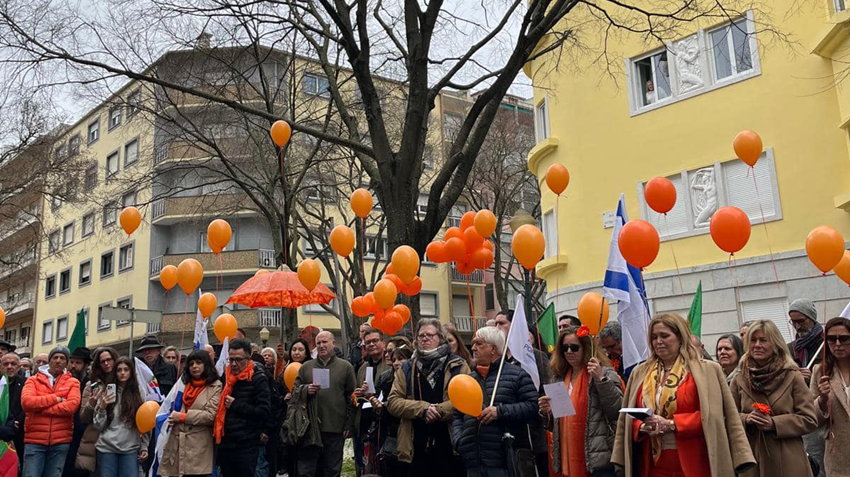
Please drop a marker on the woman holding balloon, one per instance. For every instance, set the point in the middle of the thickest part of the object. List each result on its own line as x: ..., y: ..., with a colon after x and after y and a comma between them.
x: 189, y: 450
x: 299, y: 353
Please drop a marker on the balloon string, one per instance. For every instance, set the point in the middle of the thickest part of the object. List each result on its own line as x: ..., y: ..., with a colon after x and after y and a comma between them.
x: 166, y: 301
x: 673, y: 252
x: 362, y: 253
x: 764, y: 223
x: 185, y: 321
x: 471, y: 304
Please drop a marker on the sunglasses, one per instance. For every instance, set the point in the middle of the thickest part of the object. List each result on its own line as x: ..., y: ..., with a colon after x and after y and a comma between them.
x: 843, y: 339
x: 572, y: 348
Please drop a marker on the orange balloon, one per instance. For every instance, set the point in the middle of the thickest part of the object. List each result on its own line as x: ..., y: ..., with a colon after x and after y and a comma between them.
x: 748, y: 147
x: 730, y: 229
x: 404, y: 312
x: 593, y: 311
x: 466, y: 395
x: 453, y: 232
x: 3, y: 317
x: 825, y: 247
x: 455, y: 249
x: 385, y: 293
x: 130, y: 219
x: 392, y: 323
x: 359, y: 307
x: 168, y: 277
x: 842, y: 270
x: 639, y: 243
x: 261, y: 271
x: 485, y: 223
x: 488, y: 245
x: 481, y: 258
x: 405, y: 263
x: 413, y: 288
x: 190, y: 274
x: 218, y: 235
x: 309, y: 273
x: 361, y: 202
x: 290, y: 373
x: 467, y: 220
x: 369, y: 302
x: 206, y: 304
x: 395, y: 279
x: 528, y: 245
x: 225, y: 327
x: 436, y: 252
x: 342, y: 240
x: 660, y: 195
x: 472, y: 239
x: 280, y: 132
x: 557, y: 178
x: 465, y: 267
x: 378, y: 321
x: 146, y: 416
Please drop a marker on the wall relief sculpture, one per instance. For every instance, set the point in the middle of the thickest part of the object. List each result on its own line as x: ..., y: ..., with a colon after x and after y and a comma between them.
x: 703, y: 196
x: 688, y: 69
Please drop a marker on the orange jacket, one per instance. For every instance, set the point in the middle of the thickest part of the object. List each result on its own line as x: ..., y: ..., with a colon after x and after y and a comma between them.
x: 48, y: 421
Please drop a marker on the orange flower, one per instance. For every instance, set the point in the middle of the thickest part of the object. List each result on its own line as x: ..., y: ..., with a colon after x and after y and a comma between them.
x: 762, y: 408
x: 583, y: 331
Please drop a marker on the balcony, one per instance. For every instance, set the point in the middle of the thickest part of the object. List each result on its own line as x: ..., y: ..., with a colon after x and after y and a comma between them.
x: 18, y: 306
x: 176, y: 151
x: 238, y: 262
x: 243, y: 94
x: 476, y: 277
x: 25, y: 265
x: 469, y: 324
x: 172, y: 210
x: 18, y: 228
x: 178, y: 322
x: 269, y: 317
x: 22, y: 345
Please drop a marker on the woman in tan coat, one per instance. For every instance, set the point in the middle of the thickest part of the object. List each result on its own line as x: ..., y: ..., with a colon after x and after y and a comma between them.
x: 190, y: 446
x: 695, y: 430
x: 770, y: 377
x: 831, y: 385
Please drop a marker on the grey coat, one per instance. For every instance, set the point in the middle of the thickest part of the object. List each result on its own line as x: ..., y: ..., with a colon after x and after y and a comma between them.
x: 604, y: 400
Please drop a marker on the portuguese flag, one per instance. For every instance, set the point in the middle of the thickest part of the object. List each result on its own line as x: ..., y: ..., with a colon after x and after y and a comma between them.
x: 8, y: 456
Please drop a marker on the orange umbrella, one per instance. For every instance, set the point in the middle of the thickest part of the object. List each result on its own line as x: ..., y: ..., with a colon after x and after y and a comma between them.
x: 279, y: 289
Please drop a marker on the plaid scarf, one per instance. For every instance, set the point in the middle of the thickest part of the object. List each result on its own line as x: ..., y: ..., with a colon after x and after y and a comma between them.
x: 429, y: 363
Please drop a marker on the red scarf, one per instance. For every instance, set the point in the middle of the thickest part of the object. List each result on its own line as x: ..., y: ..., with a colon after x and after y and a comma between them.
x: 247, y: 374
x: 191, y: 392
x: 573, y: 429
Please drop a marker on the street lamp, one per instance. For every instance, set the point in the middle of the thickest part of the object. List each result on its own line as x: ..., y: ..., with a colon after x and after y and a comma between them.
x: 264, y: 336
x: 522, y: 217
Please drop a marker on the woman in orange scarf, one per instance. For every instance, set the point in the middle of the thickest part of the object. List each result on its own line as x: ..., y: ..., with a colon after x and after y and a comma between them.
x: 581, y: 444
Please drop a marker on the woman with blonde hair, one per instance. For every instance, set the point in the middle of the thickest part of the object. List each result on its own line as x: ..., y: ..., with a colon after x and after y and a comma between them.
x: 581, y: 443
x: 774, y: 403
x: 694, y: 429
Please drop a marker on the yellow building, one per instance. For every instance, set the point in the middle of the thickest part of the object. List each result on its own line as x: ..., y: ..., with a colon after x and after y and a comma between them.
x: 673, y: 112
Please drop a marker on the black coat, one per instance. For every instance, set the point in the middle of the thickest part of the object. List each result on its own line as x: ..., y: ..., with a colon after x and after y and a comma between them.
x: 249, y: 413
x: 539, y: 443
x: 165, y: 374
x: 516, y: 401
x: 8, y: 432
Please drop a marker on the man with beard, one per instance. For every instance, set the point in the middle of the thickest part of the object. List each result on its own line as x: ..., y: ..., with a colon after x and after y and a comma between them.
x: 367, y: 462
x: 78, y: 367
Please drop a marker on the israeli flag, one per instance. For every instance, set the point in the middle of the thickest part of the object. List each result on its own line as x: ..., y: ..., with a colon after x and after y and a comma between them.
x: 147, y: 382
x: 172, y: 402
x: 201, y: 339
x: 223, y: 357
x: 624, y: 284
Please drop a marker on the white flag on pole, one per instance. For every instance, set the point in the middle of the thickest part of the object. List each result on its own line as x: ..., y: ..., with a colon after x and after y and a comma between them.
x: 172, y: 402
x: 201, y: 339
x: 221, y: 364
x: 147, y: 382
x: 519, y: 343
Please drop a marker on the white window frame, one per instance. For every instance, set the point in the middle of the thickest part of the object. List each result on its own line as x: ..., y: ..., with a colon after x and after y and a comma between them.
x: 134, y: 102
x: 54, y: 279
x: 550, y: 233
x: 316, y: 79
x: 112, y: 121
x: 542, y: 124
x: 126, y: 256
x: 436, y: 297
x: 54, y: 242
x: 90, y: 217
x: 839, y: 5
x: 380, y: 241
x: 127, y: 161
x: 117, y: 155
x: 81, y: 283
x: 112, y: 266
x: 47, y: 332
x: 59, y: 321
x: 129, y: 199
x: 93, y: 132
x: 102, y: 324
x: 65, y: 241
x: 63, y: 291
x: 110, y: 214
x: 730, y: 51
x: 91, y: 171
x: 636, y: 86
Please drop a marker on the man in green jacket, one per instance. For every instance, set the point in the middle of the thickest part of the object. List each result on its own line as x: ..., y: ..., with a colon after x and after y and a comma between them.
x: 335, y: 417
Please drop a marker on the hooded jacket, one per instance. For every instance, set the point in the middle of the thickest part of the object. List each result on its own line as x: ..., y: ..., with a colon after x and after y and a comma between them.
x: 48, y: 421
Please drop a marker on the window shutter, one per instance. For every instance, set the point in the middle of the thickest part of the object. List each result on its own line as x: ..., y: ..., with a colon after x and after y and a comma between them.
x: 677, y: 218
x: 460, y: 305
x: 550, y: 234
x: 775, y: 310
x: 428, y: 304
x: 741, y: 192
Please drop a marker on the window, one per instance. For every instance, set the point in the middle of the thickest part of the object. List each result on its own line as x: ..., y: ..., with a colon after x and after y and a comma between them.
x: 315, y: 190
x: 111, y: 164
x: 741, y: 190
x: 102, y: 323
x: 109, y: 214
x: 74, y: 145
x: 88, y: 224
x: 85, y: 320
x: 91, y: 177
x: 653, y: 76
x: 489, y: 297
x: 541, y: 120
x: 114, y: 117
x: 451, y: 125
x: 550, y: 233
x: 840, y: 5
x: 65, y: 281
x: 126, y: 303
x: 428, y: 305
x: 131, y: 153
x: 47, y: 332
x: 376, y: 246
x: 134, y: 103
x: 315, y: 85
x: 107, y: 262
x: 62, y: 328
x: 25, y: 335
x: 730, y: 49
x: 60, y: 153
x: 11, y: 335
x: 205, y: 246
x: 56, y: 199
x: 68, y: 234
x: 128, y: 199
x: 676, y: 221
x: 50, y: 287
x: 125, y: 257
x: 53, y: 242
x: 85, y: 273
x: 775, y: 310
x: 94, y: 131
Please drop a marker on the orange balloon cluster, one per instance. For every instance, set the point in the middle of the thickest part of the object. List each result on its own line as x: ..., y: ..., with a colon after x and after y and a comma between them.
x: 660, y: 195
x: 130, y: 219
x: 280, y: 132
x: 342, y: 240
x: 225, y: 327
x: 557, y: 178
x: 146, y: 416
x: 309, y: 273
x: 593, y: 311
x: 466, y: 245
x: 206, y: 304
x: 748, y: 147
x: 168, y: 277
x: 361, y: 202
x: 466, y: 395
x: 730, y: 229
x: 639, y: 243
x: 388, y: 317
x: 825, y: 247
x: 190, y: 274
x: 218, y: 235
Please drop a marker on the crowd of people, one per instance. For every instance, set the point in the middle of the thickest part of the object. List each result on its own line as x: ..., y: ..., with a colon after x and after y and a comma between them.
x: 763, y: 409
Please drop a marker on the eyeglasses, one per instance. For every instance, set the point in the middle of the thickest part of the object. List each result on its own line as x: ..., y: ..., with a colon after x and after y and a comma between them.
x: 426, y: 336
x: 106, y: 361
x: 798, y: 322
x: 372, y: 342
x: 236, y: 360
x: 572, y: 348
x: 843, y: 339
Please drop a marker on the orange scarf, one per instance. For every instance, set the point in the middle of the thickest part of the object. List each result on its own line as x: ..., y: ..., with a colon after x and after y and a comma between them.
x: 191, y: 392
x: 247, y: 374
x: 573, y: 428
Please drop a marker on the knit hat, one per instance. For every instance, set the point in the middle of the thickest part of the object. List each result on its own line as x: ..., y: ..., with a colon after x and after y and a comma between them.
x: 806, y: 307
x: 60, y: 349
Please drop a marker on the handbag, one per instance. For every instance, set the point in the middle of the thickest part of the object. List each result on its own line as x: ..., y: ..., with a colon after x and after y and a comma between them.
x: 390, y: 447
x: 521, y: 462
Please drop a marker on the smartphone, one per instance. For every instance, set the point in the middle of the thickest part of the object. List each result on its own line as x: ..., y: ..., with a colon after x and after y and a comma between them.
x: 110, y: 389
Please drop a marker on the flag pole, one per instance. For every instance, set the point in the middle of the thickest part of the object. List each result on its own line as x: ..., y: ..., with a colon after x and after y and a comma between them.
x: 499, y: 374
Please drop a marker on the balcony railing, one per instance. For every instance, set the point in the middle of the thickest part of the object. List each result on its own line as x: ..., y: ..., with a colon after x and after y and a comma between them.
x: 18, y: 304
x: 476, y: 276
x: 156, y: 265
x: 200, y: 206
x: 22, y: 221
x: 226, y: 261
x: 21, y: 343
x: 154, y: 327
x: 269, y: 318
x: 469, y: 324
x: 158, y: 209
x: 266, y: 259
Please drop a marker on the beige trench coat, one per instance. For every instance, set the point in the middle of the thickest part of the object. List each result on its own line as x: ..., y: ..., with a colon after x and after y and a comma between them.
x: 190, y: 446
x: 836, y: 459
x: 728, y: 450
x: 794, y: 415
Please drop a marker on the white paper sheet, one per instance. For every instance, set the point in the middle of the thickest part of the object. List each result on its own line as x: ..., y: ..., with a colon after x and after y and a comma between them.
x: 370, y: 380
x: 561, y: 402
x: 322, y: 377
x: 368, y: 405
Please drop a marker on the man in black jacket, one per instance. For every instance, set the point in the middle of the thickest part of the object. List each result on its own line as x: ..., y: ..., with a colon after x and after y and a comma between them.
x: 13, y: 428
x: 245, y: 404
x: 165, y: 372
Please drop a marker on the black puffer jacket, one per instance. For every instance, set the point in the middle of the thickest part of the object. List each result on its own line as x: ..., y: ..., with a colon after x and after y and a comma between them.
x: 249, y: 413
x: 516, y: 401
